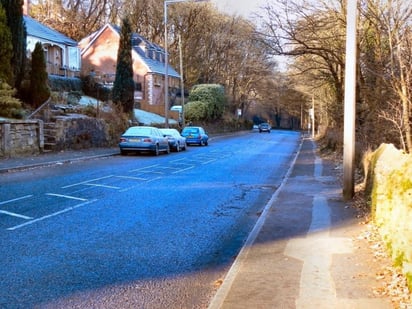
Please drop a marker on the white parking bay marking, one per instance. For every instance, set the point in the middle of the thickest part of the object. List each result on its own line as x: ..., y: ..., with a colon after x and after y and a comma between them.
x: 15, y: 199
x: 144, y: 169
x: 14, y: 214
x: 86, y: 182
x: 132, y: 178
x: 102, y: 186
x: 51, y: 215
x: 67, y: 196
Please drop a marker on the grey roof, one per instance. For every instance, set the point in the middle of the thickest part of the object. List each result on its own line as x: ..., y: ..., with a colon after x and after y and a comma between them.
x: 36, y: 29
x: 152, y: 58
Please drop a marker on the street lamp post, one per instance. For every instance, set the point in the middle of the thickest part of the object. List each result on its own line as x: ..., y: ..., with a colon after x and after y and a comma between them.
x: 166, y: 94
x: 182, y: 84
x: 350, y: 101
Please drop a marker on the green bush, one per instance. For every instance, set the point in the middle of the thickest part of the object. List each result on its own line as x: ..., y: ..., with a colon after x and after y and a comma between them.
x: 62, y: 84
x: 94, y: 89
x: 74, y: 97
x: 213, y: 96
x: 10, y: 107
x: 195, y: 111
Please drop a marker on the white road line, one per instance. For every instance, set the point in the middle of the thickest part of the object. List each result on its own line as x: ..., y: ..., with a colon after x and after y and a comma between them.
x: 144, y: 168
x: 14, y: 214
x: 87, y: 181
x: 51, y: 215
x: 15, y: 199
x: 102, y: 186
x: 132, y: 177
x: 169, y: 168
x: 138, y: 186
x: 211, y: 160
x: 183, y: 169
x: 67, y: 196
x: 155, y: 172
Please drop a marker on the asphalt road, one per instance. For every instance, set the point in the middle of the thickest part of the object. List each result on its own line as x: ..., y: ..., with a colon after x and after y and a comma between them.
x: 135, y: 231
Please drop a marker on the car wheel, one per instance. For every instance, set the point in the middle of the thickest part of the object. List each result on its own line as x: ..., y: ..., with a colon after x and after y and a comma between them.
x: 202, y: 143
x: 206, y: 143
x: 156, y: 151
x: 185, y: 146
x: 168, y: 149
x: 178, y: 147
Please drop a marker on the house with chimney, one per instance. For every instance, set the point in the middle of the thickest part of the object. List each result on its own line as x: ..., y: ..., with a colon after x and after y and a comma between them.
x: 99, y: 58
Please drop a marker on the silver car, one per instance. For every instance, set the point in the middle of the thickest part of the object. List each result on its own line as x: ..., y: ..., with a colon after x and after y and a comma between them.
x: 140, y: 139
x: 176, y: 141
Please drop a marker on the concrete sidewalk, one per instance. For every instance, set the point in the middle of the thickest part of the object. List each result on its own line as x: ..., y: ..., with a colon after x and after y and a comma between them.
x: 305, y: 250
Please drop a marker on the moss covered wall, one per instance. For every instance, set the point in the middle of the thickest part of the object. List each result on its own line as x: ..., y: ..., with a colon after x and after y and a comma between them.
x: 390, y: 187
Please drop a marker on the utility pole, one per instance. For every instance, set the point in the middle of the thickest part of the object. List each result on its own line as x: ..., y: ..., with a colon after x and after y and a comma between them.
x: 350, y: 101
x: 313, y: 116
x: 166, y: 84
x: 182, y: 84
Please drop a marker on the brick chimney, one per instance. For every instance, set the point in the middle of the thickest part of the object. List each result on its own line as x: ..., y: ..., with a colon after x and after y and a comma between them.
x: 26, y: 7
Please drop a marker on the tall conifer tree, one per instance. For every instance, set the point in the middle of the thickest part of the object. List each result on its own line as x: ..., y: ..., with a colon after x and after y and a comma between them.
x: 15, y: 22
x: 6, y: 49
x: 123, y: 87
x: 39, y: 89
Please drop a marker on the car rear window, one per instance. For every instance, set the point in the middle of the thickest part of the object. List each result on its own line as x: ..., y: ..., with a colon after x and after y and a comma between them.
x: 191, y: 130
x: 139, y: 131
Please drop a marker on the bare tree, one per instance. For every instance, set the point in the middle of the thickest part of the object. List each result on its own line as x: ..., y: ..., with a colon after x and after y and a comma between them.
x: 386, y: 66
x: 74, y: 18
x: 313, y: 34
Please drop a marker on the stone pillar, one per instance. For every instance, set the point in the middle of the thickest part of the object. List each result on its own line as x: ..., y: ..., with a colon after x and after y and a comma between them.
x: 40, y: 135
x: 6, y: 139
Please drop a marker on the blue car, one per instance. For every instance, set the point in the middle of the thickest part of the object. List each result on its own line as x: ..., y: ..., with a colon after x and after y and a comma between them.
x: 195, y: 136
x: 140, y: 139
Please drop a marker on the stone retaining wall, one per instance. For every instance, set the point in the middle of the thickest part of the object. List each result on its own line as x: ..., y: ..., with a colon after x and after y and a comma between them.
x: 26, y: 137
x: 76, y: 131
x: 21, y: 137
x: 389, y: 184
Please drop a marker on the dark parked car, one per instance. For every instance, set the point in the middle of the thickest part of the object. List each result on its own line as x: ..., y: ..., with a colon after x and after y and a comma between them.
x: 195, y: 135
x: 140, y: 139
x: 264, y: 127
x: 176, y: 141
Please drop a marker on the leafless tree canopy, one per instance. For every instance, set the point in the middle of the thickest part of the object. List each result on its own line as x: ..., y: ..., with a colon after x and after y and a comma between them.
x: 239, y: 54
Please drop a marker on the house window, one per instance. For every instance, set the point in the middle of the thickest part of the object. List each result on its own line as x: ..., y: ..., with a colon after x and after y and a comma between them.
x: 74, y: 58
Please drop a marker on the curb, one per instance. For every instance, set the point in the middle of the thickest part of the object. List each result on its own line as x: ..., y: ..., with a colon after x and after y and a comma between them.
x: 53, y: 162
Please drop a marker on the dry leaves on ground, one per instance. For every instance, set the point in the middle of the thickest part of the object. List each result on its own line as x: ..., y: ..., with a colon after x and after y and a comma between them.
x: 394, y: 284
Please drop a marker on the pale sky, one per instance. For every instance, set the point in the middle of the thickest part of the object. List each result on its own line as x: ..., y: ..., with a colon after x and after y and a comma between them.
x: 241, y: 7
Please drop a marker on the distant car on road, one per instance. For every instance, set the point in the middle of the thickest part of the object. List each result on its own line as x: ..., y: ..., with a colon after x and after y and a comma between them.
x: 264, y: 127
x: 143, y: 138
x: 176, y: 141
x: 195, y: 135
